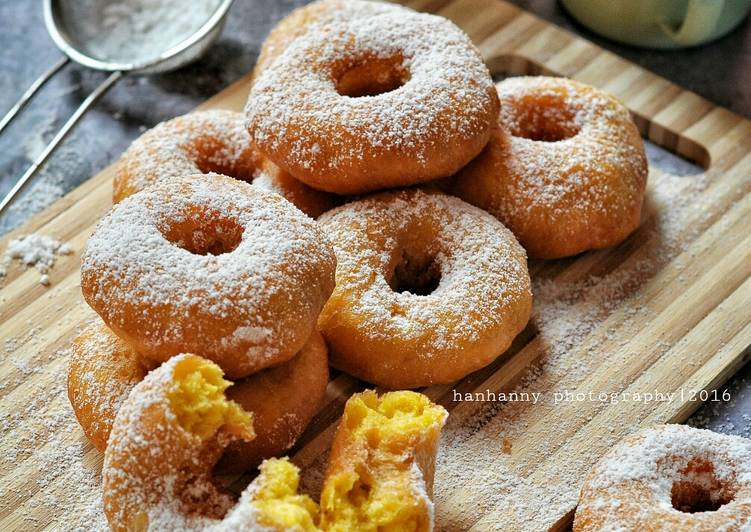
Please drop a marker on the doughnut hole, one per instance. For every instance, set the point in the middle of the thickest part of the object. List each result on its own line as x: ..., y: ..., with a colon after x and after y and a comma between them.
x: 698, y: 489
x: 212, y: 155
x: 542, y: 117
x: 416, y: 273
x: 279, y: 505
x: 196, y: 397
x: 204, y: 232
x: 376, y: 492
x: 371, y: 76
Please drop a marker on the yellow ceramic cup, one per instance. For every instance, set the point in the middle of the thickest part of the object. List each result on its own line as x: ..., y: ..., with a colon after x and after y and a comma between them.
x: 659, y: 23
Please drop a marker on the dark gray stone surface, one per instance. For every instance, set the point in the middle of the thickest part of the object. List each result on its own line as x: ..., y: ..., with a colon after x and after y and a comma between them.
x: 720, y: 71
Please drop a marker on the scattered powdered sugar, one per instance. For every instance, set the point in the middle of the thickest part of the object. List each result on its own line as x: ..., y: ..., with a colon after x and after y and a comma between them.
x: 34, y: 250
x: 294, y: 107
x: 137, y: 30
x: 63, y: 478
x: 572, y: 302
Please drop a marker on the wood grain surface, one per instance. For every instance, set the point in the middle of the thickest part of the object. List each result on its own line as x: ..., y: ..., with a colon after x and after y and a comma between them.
x: 666, y: 311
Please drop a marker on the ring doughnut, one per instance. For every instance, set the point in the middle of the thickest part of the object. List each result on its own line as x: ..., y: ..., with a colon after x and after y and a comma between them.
x: 210, y: 265
x: 428, y: 289
x: 383, y: 101
x: 670, y: 477
x: 381, y: 466
x: 565, y: 171
x: 319, y: 13
x: 166, y: 437
x: 203, y: 142
x: 103, y: 370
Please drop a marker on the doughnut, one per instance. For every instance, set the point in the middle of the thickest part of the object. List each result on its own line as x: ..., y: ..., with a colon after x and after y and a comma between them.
x: 669, y: 477
x: 321, y: 12
x: 382, y: 101
x: 380, y: 473
x: 103, y: 370
x: 203, y: 142
x: 209, y: 265
x: 283, y: 400
x: 167, y: 435
x: 428, y: 288
x: 565, y: 170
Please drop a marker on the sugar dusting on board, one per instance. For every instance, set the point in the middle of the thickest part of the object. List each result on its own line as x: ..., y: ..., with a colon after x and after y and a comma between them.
x: 63, y: 479
x: 34, y: 250
x: 572, y: 303
x: 116, y: 30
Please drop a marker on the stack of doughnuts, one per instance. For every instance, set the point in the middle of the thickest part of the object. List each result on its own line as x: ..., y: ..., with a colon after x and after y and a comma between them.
x: 372, y: 208
x: 209, y: 265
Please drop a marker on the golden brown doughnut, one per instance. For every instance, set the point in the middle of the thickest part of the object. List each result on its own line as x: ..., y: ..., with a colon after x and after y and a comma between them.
x: 428, y: 288
x: 565, y: 170
x: 103, y: 370
x: 321, y: 12
x: 203, y: 142
x: 380, y: 474
x: 381, y: 101
x: 209, y: 264
x: 283, y: 400
x: 168, y: 434
x: 670, y: 477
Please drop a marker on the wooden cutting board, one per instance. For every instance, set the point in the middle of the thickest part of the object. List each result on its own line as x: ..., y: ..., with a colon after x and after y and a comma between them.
x: 666, y: 311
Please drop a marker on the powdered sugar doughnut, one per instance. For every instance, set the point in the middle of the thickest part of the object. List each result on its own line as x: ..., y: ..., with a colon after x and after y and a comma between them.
x: 104, y: 369
x: 565, y: 171
x: 283, y: 400
x: 319, y: 13
x: 210, y: 265
x: 202, y: 142
x: 382, y: 101
x: 670, y: 477
x: 428, y: 289
x: 167, y: 436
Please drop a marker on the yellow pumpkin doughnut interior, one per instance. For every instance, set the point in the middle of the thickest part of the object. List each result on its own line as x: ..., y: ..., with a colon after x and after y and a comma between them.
x: 197, y: 399
x: 277, y: 501
x: 379, y: 492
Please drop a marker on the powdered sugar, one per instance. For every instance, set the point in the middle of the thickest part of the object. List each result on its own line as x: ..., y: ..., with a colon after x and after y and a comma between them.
x: 34, y: 250
x: 37, y: 420
x: 137, y: 30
